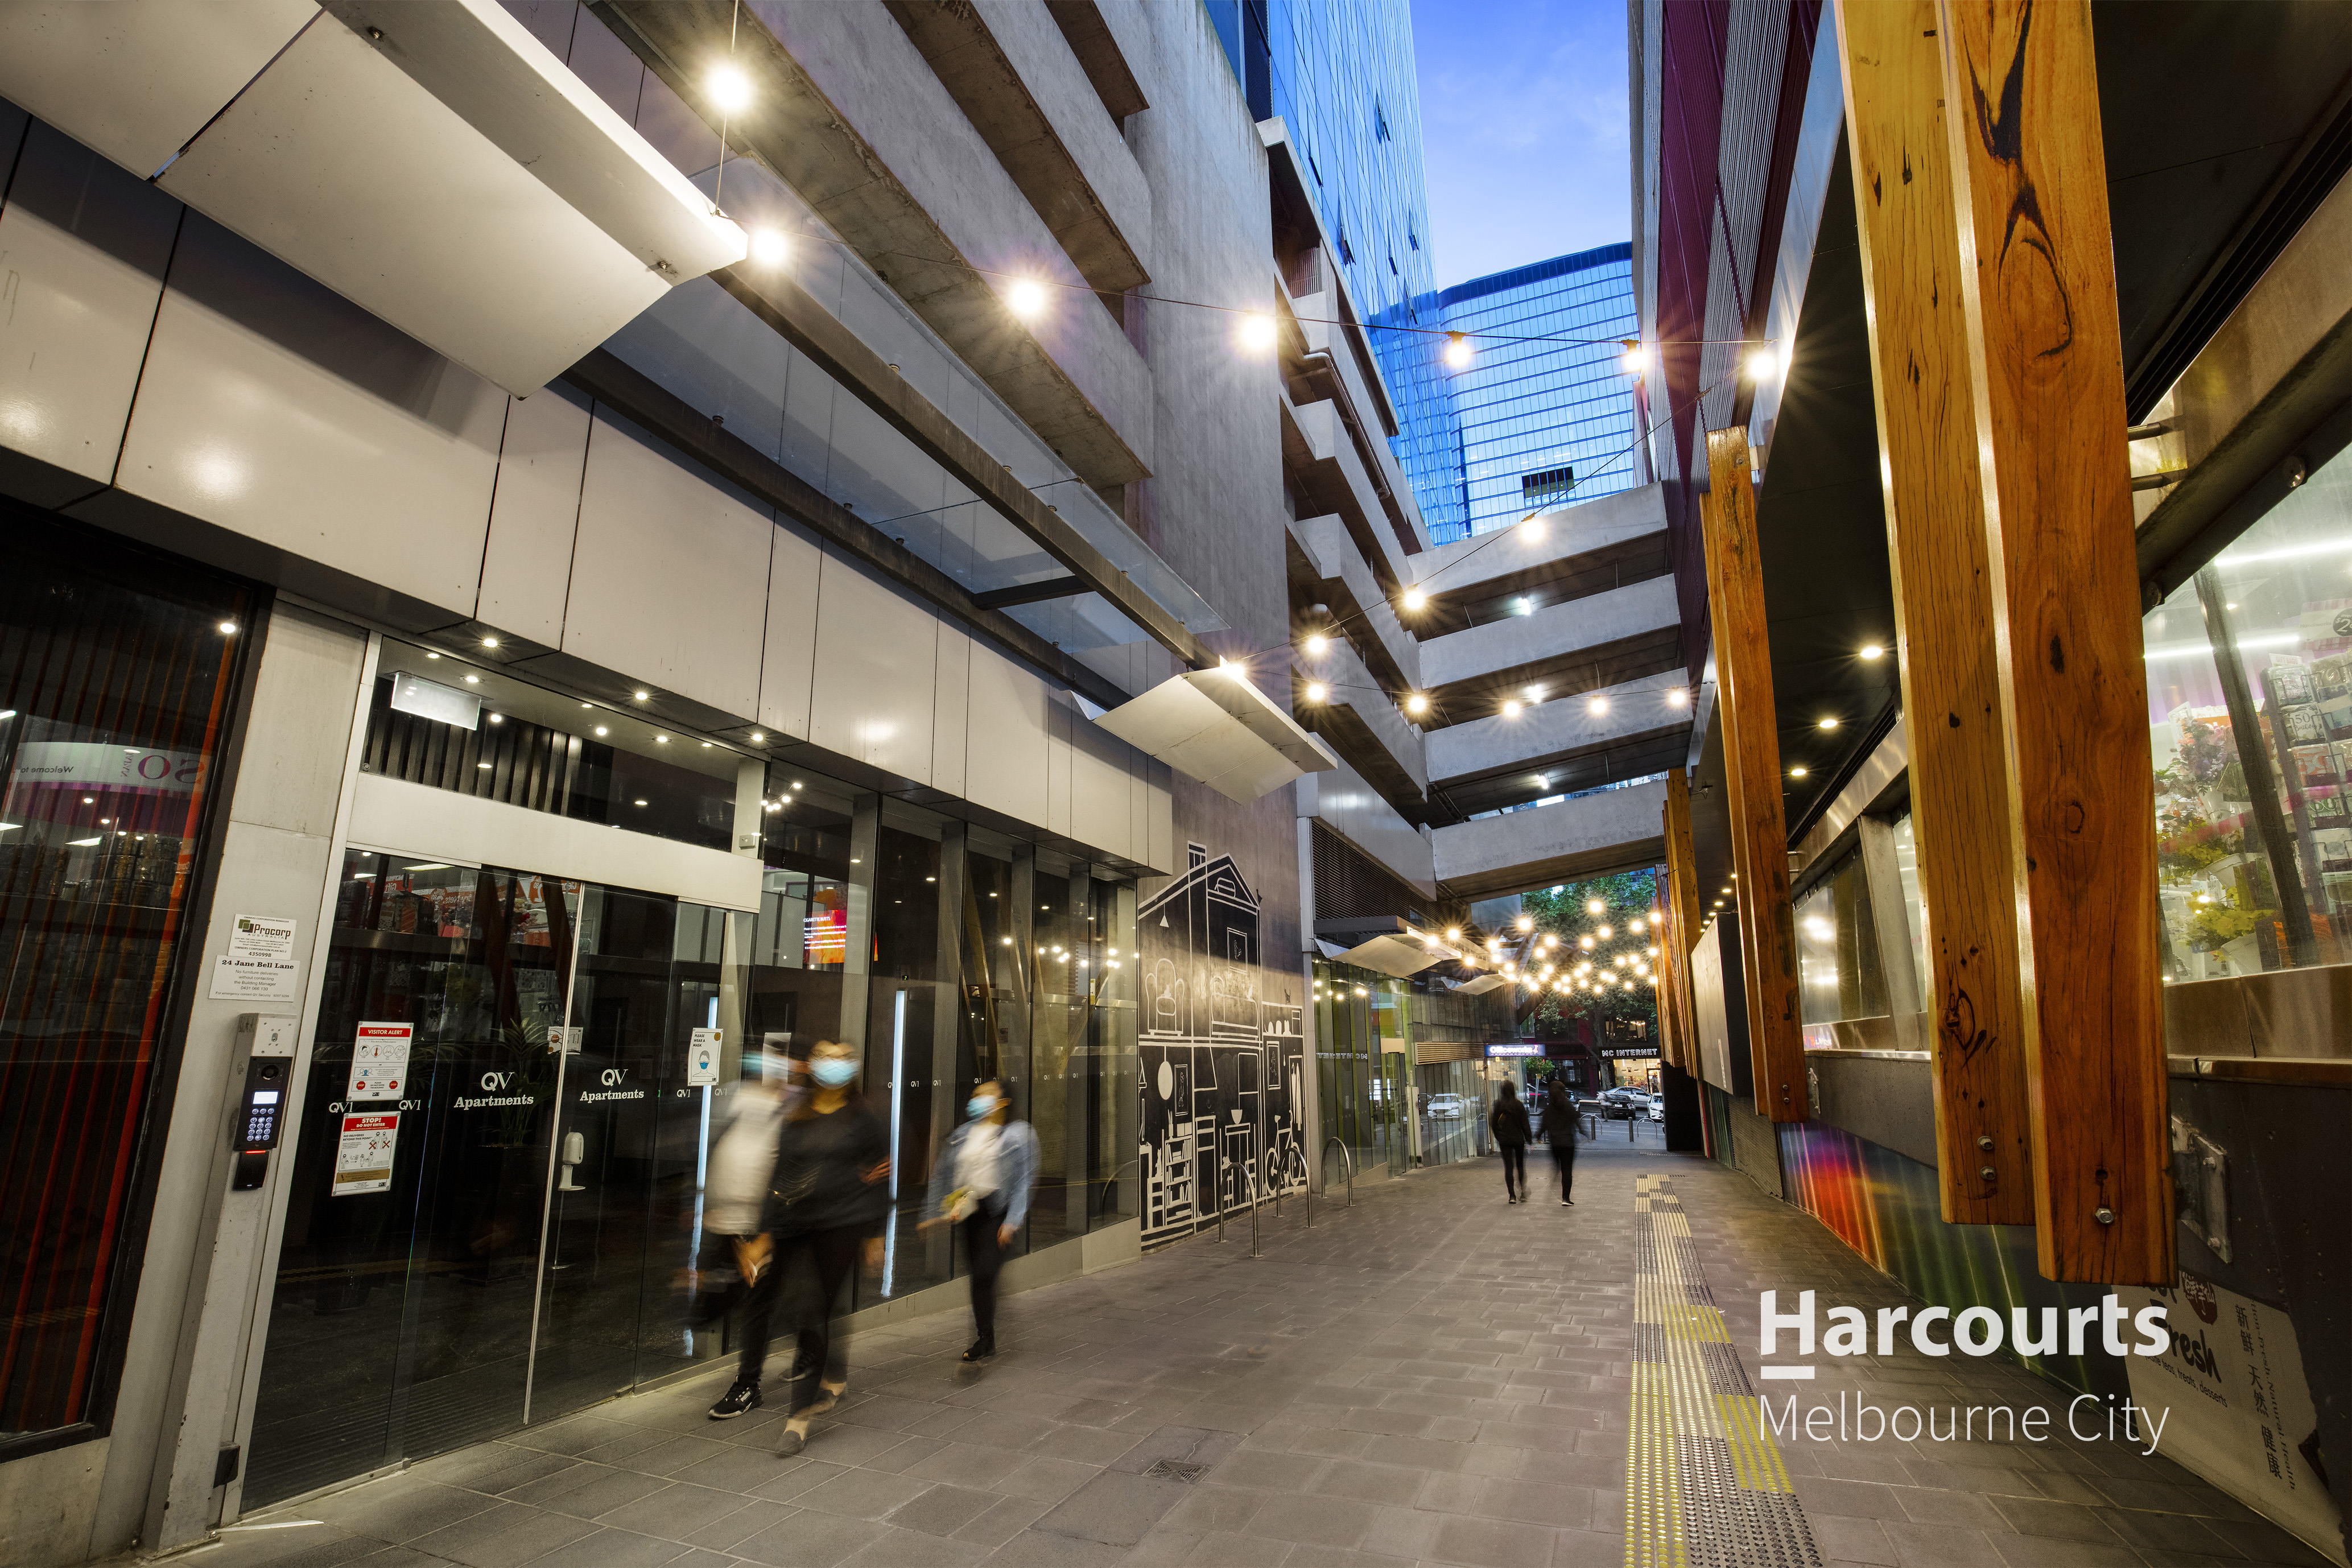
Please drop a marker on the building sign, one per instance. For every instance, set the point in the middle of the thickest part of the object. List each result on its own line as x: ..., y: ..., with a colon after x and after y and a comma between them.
x: 431, y: 700
x: 260, y: 965
x: 1629, y: 1053
x: 1515, y: 1049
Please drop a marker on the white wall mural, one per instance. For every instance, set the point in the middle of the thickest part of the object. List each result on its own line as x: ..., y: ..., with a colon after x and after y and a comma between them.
x: 1222, y: 1077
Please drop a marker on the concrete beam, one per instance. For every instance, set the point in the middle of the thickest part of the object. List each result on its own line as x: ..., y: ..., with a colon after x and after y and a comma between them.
x: 1095, y: 43
x: 801, y: 132
x: 1328, y: 570
x: 1571, y: 553
x: 1567, y: 649
x: 1076, y: 170
x: 1606, y: 831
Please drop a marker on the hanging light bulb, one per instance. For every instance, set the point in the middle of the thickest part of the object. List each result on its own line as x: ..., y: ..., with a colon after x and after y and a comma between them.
x: 1458, y: 350
x: 1637, y: 358
x: 1414, y: 599
x: 729, y: 89
x: 1026, y: 298
x: 1257, y: 332
x: 768, y: 246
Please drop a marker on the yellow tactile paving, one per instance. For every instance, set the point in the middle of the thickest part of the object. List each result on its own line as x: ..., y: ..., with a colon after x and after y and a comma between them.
x: 1705, y: 1483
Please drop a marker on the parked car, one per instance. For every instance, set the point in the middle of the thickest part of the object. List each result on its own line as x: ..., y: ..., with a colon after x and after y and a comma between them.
x: 1448, y: 1106
x: 1658, y: 1108
x: 1623, y: 1104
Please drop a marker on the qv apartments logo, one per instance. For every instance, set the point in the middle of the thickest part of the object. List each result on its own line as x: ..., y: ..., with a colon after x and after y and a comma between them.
x: 1976, y: 1332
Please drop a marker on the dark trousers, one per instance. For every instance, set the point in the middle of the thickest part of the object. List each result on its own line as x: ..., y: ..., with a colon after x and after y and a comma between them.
x: 808, y: 1270
x: 987, y: 1256
x: 1563, y: 1155
x: 1515, y: 1168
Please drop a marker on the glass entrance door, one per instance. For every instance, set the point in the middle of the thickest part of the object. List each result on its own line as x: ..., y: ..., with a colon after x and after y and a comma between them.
x: 402, y: 1313
x: 493, y: 1241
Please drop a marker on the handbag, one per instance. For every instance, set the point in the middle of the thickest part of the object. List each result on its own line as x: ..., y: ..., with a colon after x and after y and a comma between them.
x: 958, y: 1205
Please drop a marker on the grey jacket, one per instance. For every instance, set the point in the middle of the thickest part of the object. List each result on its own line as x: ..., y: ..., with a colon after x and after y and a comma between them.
x: 1016, y: 1169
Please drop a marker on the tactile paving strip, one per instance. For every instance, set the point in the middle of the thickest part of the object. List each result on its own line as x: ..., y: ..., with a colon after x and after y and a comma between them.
x: 1704, y: 1487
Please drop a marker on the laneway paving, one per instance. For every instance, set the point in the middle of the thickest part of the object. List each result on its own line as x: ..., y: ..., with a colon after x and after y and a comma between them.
x: 1434, y: 1376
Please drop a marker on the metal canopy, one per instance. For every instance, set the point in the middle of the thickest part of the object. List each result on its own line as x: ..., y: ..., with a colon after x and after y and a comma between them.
x: 430, y: 160
x: 1216, y: 726
x: 1385, y: 943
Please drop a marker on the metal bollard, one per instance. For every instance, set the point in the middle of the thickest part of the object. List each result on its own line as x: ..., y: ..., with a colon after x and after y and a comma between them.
x: 1254, y: 1204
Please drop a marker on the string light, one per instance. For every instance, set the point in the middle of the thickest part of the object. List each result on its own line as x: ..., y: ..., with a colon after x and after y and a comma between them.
x: 1458, y: 350
x: 1026, y: 298
x: 729, y: 89
x: 768, y: 246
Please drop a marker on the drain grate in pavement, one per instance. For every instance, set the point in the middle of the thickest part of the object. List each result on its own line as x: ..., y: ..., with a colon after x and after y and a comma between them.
x: 1177, y: 1470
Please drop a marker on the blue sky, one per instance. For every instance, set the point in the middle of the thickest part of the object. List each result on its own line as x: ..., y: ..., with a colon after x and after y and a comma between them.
x: 1523, y: 125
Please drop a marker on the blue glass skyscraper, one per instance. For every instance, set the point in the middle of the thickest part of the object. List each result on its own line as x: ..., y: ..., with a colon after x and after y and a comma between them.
x: 1341, y: 75
x: 1545, y: 411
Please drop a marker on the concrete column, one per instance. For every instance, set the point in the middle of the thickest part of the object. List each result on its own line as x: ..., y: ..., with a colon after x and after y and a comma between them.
x: 195, y: 1338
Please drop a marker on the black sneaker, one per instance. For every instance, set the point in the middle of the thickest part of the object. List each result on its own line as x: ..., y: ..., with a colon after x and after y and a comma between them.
x: 981, y: 1351
x: 743, y: 1396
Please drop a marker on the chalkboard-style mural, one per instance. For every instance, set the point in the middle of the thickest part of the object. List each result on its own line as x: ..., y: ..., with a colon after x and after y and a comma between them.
x: 1221, y: 1078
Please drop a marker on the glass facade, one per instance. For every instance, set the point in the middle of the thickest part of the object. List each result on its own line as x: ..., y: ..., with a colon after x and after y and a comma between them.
x: 118, y: 685
x: 503, y: 1240
x: 2250, y: 721
x: 1342, y: 80
x: 1544, y: 409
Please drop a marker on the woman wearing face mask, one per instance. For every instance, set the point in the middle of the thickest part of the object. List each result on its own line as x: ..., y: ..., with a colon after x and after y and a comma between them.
x: 980, y: 1184
x: 826, y: 1204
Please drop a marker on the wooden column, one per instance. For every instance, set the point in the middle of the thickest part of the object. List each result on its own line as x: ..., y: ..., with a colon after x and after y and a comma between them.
x: 1680, y: 900
x: 1936, y: 556
x: 1751, y: 767
x: 2038, y: 289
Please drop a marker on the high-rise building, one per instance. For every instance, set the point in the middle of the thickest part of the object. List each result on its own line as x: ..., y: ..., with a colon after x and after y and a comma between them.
x: 1544, y: 411
x: 1341, y: 80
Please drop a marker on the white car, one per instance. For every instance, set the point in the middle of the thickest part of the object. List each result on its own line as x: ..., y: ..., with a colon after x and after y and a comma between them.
x: 1449, y: 1106
x: 1658, y: 1108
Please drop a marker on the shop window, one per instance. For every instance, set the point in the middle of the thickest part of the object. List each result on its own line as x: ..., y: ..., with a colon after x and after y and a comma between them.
x: 2271, y: 728
x: 1837, y: 949
x: 117, y: 686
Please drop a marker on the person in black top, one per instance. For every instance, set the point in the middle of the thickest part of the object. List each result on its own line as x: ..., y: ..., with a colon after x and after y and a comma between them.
x: 1559, y: 1132
x: 1508, y: 1123
x: 826, y: 1204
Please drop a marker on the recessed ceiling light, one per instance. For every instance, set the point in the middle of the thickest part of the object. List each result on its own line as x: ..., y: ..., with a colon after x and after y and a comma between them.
x: 1872, y: 650
x: 601, y: 730
x: 1796, y: 773
x: 489, y: 642
x: 1828, y: 724
x: 641, y: 696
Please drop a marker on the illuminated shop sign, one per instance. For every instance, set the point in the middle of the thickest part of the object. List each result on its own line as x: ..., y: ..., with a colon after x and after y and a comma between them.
x: 1515, y: 1049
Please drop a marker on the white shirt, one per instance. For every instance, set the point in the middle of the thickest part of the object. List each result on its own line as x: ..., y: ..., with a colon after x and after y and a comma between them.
x: 976, y: 1164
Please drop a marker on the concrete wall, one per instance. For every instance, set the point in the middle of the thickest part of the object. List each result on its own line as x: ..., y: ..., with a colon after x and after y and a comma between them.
x: 1213, y: 503
x: 1553, y: 632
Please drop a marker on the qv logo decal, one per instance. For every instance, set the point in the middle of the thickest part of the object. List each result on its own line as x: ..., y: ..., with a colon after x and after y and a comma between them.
x: 493, y: 1081
x: 1976, y: 1330
x: 613, y: 1078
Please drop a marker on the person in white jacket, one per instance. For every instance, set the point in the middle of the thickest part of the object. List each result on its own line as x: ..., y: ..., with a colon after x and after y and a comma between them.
x: 980, y: 1185
x: 735, y: 1197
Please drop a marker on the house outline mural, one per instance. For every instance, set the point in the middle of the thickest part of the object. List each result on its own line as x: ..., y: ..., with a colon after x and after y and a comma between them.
x: 1220, y: 1078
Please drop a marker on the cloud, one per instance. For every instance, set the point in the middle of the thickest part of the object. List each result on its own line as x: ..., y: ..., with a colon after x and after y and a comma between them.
x: 1523, y: 115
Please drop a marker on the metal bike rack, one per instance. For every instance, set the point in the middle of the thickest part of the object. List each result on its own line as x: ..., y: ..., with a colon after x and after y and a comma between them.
x: 1347, y: 1162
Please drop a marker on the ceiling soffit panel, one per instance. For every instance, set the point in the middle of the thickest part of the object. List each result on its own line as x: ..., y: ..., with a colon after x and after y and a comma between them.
x: 137, y: 79
x: 429, y: 161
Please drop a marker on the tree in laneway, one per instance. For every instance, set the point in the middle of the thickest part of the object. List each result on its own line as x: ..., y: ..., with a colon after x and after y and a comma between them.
x: 1598, y: 978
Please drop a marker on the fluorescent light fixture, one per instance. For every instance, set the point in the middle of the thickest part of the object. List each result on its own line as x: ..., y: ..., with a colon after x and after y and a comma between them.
x: 427, y: 866
x: 84, y: 843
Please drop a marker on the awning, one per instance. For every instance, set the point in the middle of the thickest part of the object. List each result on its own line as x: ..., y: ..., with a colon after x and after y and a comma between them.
x: 1481, y: 985
x: 428, y: 160
x: 1384, y: 943
x: 1216, y: 726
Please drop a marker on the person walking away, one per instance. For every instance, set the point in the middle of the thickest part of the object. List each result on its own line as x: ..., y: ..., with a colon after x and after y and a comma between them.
x: 980, y: 1184
x: 1508, y: 1123
x: 1559, y: 1132
x: 825, y: 1205
x: 742, y: 1167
